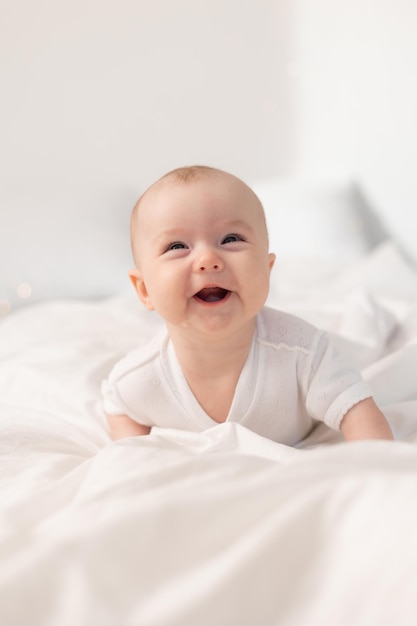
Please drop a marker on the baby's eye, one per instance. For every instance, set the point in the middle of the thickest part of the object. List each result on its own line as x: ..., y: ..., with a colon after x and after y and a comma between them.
x: 175, y: 245
x: 232, y: 238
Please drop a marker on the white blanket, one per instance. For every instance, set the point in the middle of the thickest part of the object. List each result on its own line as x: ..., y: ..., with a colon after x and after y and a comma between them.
x: 224, y: 527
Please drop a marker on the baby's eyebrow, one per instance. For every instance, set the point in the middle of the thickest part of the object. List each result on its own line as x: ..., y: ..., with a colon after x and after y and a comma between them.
x: 239, y: 223
x: 170, y: 233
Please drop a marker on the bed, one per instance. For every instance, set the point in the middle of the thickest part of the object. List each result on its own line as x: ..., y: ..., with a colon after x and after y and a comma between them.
x: 224, y: 527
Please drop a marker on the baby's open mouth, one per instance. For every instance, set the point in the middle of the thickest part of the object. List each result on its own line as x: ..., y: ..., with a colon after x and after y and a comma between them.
x: 212, y: 294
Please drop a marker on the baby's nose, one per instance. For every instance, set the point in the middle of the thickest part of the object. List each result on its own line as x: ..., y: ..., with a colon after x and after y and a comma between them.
x: 208, y: 266
x: 209, y: 261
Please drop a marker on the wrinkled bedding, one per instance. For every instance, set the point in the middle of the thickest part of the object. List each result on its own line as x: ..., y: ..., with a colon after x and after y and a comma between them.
x: 224, y: 527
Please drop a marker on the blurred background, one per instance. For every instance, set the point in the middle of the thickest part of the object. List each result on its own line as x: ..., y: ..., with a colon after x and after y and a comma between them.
x: 99, y: 98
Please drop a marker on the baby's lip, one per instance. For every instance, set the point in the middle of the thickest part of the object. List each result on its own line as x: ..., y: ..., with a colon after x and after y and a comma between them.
x: 212, y: 294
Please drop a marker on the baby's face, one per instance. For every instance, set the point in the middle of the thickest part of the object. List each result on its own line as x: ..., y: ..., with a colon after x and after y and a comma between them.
x: 202, y: 254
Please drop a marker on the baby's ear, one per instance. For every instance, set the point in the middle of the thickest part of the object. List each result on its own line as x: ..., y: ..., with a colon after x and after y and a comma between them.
x: 140, y: 288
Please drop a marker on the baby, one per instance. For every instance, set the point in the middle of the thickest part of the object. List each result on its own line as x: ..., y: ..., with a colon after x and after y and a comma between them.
x: 200, y: 246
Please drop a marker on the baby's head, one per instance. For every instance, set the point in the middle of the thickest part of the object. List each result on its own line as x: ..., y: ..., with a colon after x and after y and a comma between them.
x: 198, y: 228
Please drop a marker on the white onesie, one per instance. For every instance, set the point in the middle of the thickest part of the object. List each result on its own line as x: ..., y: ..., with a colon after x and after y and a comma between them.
x: 293, y: 376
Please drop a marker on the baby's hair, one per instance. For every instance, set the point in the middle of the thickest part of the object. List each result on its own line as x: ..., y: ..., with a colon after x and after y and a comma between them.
x: 190, y: 172
x: 184, y: 175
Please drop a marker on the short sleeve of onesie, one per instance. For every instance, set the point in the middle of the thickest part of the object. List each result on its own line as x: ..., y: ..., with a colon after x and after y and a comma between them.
x: 301, y: 377
x: 135, y: 384
x: 334, y: 386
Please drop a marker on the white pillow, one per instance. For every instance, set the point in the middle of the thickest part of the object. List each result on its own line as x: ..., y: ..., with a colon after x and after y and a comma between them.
x: 318, y: 220
x: 67, y: 244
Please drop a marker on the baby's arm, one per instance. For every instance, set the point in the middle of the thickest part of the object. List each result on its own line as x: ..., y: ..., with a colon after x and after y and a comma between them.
x: 123, y: 426
x: 365, y: 421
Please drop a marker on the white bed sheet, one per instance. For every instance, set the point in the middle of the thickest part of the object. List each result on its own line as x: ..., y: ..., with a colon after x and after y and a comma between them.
x: 224, y: 527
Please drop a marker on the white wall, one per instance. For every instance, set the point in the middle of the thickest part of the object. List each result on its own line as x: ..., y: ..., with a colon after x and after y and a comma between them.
x: 99, y: 93
x: 122, y: 91
x: 355, y: 87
